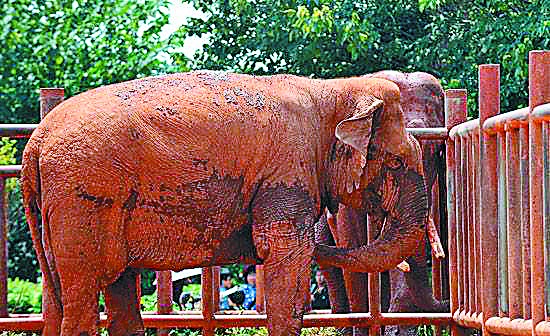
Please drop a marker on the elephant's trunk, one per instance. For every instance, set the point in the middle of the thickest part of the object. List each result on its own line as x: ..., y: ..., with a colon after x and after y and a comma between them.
x: 402, y: 231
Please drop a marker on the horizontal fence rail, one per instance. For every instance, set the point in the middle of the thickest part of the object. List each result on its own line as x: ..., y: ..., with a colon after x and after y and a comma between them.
x: 35, y: 322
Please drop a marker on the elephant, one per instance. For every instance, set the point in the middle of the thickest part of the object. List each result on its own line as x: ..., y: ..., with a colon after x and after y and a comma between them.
x: 207, y: 168
x: 422, y: 103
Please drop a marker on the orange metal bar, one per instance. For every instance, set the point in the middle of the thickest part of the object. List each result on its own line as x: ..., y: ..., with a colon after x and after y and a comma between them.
x: 455, y: 113
x: 436, y: 263
x: 260, y: 289
x: 502, y: 227
x: 507, y: 326
x: 489, y: 105
x: 477, y: 209
x: 525, y: 221
x: 468, y: 320
x: 515, y: 281
x: 470, y: 167
x: 464, y: 223
x: 17, y: 130
x: 373, y: 286
x: 539, y: 93
x: 164, y: 296
x: 207, y: 301
x: 543, y: 329
x: 216, y: 281
x: 459, y: 232
x: 35, y: 322
x: 50, y: 98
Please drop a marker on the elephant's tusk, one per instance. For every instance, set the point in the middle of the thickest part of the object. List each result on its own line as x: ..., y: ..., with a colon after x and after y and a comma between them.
x: 433, y: 237
x: 404, y: 266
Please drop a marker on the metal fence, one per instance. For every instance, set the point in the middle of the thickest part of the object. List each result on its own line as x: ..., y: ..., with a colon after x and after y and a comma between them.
x: 499, y: 215
x: 498, y: 205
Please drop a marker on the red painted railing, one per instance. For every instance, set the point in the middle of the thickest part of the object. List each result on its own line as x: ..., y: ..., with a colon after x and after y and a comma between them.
x: 498, y: 201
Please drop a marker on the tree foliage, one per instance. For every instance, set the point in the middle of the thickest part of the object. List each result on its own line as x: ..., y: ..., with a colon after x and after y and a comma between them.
x: 331, y: 38
x: 77, y: 45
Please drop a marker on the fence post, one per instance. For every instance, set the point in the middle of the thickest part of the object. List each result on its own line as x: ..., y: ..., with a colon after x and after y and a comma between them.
x: 260, y: 289
x: 49, y: 98
x: 539, y: 93
x: 455, y: 113
x: 207, y: 300
x: 3, y: 248
x: 164, y: 297
x: 489, y: 105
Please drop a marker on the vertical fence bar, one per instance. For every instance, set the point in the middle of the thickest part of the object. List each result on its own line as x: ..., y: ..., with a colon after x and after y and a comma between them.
x: 502, y: 226
x: 455, y: 113
x: 164, y: 297
x: 464, y: 225
x: 374, y: 286
x: 207, y: 300
x: 477, y: 180
x: 49, y: 98
x: 260, y: 289
x: 436, y: 263
x: 546, y: 213
x: 3, y: 248
x: 525, y: 221
x: 539, y: 93
x: 216, y: 278
x: 470, y: 226
x: 515, y: 283
x: 489, y: 105
x: 459, y: 230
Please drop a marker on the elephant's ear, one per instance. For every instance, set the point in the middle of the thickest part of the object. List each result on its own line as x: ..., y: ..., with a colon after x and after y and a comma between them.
x: 356, y: 131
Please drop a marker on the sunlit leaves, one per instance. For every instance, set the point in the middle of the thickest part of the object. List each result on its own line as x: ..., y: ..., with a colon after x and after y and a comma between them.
x: 74, y: 44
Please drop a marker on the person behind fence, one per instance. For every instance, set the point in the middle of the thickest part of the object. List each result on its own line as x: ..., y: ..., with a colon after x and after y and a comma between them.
x: 319, y: 292
x: 249, y: 288
x: 226, y: 284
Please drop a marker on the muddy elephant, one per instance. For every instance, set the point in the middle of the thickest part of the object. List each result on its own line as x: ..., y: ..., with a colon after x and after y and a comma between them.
x: 184, y: 170
x: 422, y: 103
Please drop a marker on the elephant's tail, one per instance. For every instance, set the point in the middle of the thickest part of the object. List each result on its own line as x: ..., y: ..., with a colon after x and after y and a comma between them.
x: 30, y: 186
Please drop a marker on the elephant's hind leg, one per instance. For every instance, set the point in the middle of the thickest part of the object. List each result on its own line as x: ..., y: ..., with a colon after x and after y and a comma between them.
x: 80, y: 295
x: 122, y: 304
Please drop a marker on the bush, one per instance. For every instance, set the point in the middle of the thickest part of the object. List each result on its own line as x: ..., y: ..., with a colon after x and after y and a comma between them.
x: 24, y: 297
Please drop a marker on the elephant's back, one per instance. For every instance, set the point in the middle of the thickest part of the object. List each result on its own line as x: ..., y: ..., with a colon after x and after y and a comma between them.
x: 195, y: 124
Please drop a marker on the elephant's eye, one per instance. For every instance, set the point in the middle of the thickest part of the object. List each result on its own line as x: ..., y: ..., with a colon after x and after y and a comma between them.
x: 394, y: 162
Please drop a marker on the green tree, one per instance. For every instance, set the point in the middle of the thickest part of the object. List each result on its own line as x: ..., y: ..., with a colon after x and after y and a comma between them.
x: 77, y: 45
x: 323, y: 38
x: 463, y: 35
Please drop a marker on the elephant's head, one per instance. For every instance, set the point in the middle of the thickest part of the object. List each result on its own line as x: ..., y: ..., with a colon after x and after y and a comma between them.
x: 375, y: 167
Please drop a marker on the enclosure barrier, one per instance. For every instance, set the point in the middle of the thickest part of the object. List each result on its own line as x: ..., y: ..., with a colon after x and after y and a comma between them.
x: 499, y: 207
x: 496, y: 191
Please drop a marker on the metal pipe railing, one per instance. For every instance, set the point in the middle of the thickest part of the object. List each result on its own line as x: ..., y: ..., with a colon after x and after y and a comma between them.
x: 511, y: 231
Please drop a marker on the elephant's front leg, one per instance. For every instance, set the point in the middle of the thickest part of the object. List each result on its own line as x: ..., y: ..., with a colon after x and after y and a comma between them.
x: 284, y: 238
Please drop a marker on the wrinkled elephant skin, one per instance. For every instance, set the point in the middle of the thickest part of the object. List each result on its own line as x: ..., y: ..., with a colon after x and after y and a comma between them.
x: 422, y: 103
x: 185, y: 170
